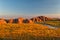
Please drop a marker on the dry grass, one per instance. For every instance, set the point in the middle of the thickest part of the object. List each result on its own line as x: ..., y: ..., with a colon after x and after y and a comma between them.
x: 27, y: 32
x: 53, y: 23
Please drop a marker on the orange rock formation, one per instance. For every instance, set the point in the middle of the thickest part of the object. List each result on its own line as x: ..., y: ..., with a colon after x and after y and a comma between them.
x: 20, y: 20
x: 2, y: 21
x: 11, y: 21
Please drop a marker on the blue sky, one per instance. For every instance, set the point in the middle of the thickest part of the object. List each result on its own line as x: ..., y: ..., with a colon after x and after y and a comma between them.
x: 17, y: 8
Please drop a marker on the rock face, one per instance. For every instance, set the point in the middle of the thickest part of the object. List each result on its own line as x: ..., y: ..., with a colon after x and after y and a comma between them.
x: 40, y: 19
x: 36, y: 19
x: 11, y: 21
x: 20, y: 20
x: 6, y: 20
x: 15, y: 21
x: 2, y: 21
x: 28, y: 21
x: 44, y: 18
x: 25, y: 21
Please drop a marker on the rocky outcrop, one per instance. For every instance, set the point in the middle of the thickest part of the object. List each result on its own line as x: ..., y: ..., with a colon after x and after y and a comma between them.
x: 2, y: 21
x: 44, y: 18
x: 11, y: 20
x: 20, y: 20
x: 28, y: 21
x: 40, y: 19
x: 36, y: 19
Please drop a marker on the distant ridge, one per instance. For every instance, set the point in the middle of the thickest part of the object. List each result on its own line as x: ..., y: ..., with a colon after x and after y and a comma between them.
x: 27, y: 20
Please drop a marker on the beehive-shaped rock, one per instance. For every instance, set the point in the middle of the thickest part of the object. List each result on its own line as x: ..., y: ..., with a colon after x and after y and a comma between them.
x: 33, y: 19
x: 36, y: 19
x: 30, y: 21
x: 20, y: 20
x: 10, y: 21
x: 2, y: 21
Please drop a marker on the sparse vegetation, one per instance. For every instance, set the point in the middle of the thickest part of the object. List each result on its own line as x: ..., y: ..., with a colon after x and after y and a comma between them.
x: 29, y: 29
x: 28, y: 32
x: 53, y: 23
